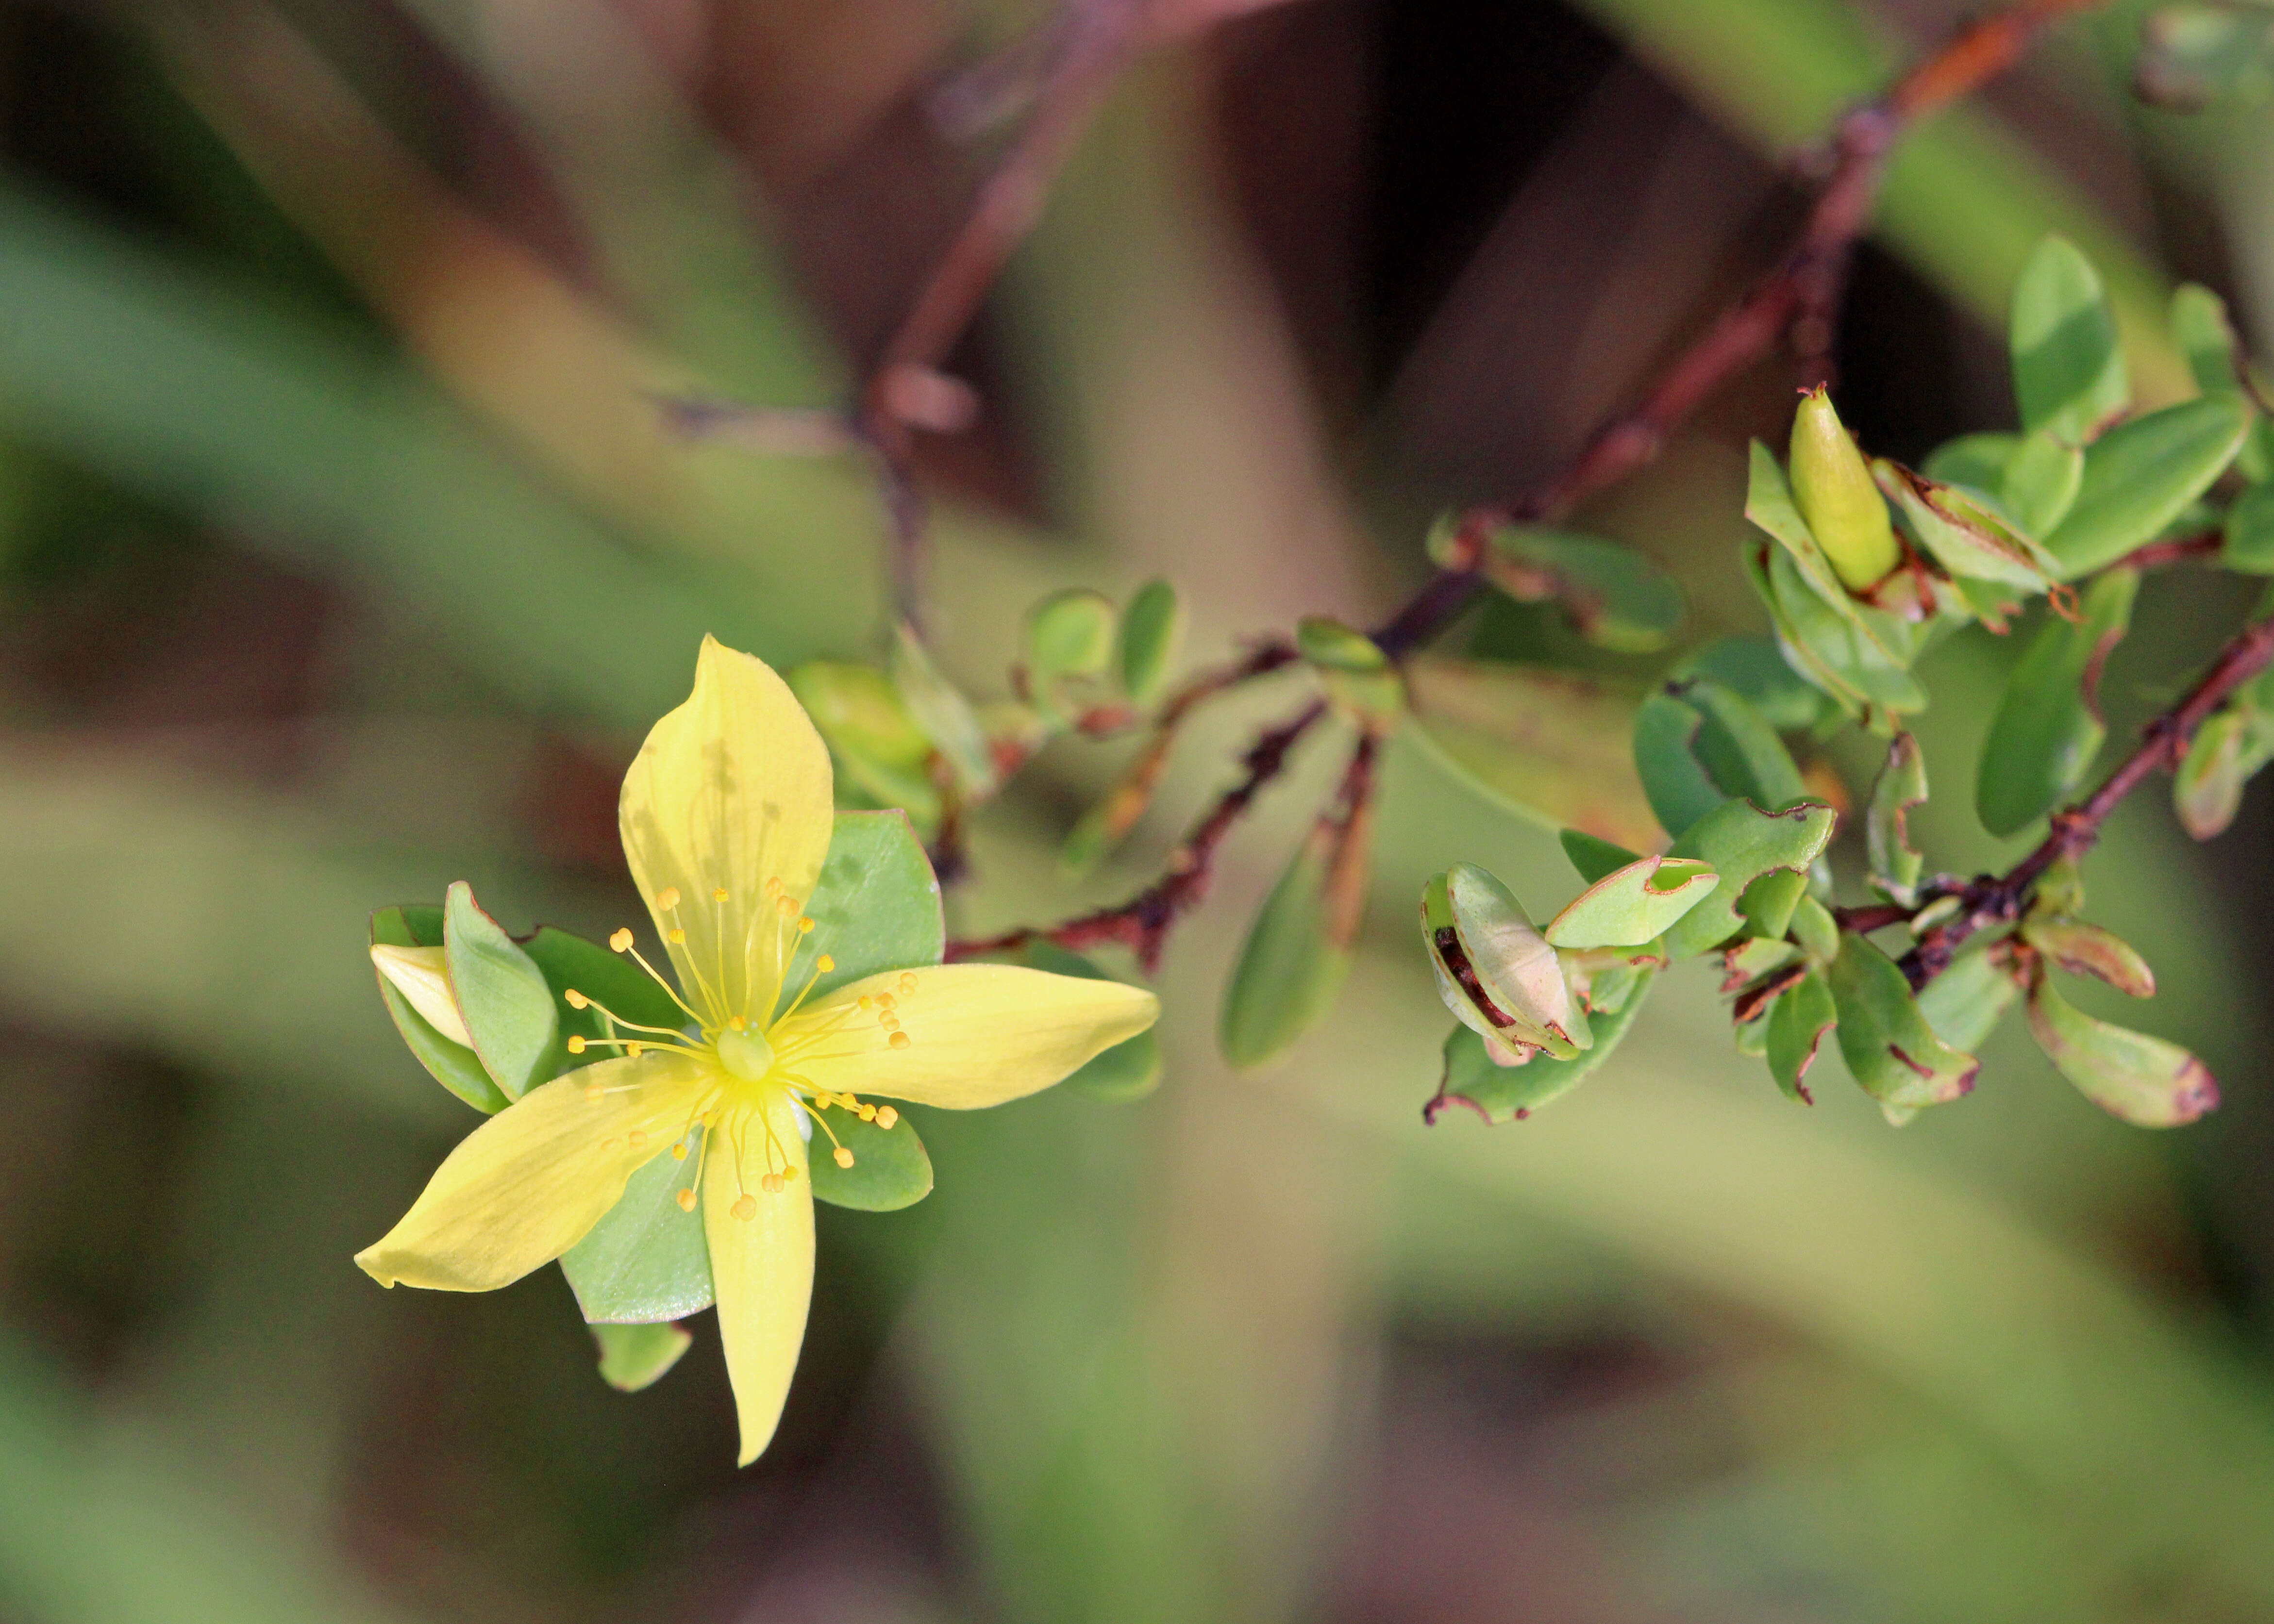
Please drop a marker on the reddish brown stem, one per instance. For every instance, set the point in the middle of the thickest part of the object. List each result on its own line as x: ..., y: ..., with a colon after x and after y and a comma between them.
x: 1992, y: 899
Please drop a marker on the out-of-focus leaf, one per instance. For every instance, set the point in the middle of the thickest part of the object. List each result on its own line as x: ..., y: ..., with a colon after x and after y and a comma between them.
x: 2206, y: 336
x: 2207, y: 790
x: 2047, y: 728
x: 1151, y: 637
x: 1358, y: 676
x: 945, y: 716
x: 1552, y: 747
x: 1754, y: 668
x: 1742, y: 843
x: 1594, y: 859
x: 1832, y: 488
x: 454, y: 1065
x: 1976, y: 461
x: 501, y: 993
x: 633, y: 1357
x: 2249, y: 539
x: 2141, y: 476
x: 1613, y: 595
x: 1966, y: 1002
x: 1501, y: 1092
x: 2041, y: 483
x: 1291, y: 967
x: 1493, y: 968
x: 891, y: 1168
x: 1634, y: 905
x: 875, y: 907
x: 646, y: 1260
x: 1797, y: 1024
x: 2088, y: 950
x: 874, y: 740
x: 1681, y: 790
x: 2068, y: 371
x: 1890, y: 1049
x: 1099, y: 832
x: 2194, y: 55
x: 1902, y: 784
x: 2140, y: 1080
x: 1069, y: 643
x: 1128, y: 1071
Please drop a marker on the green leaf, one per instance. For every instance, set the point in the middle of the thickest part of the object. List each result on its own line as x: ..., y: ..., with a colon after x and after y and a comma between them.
x: 507, y: 1008
x: 890, y: 1170
x: 875, y: 907
x: 2249, y: 539
x: 1739, y: 751
x: 2141, y: 476
x: 2068, y: 365
x: 1894, y: 863
x: 1358, y: 676
x: 1771, y: 507
x: 1742, y: 843
x: 2087, y: 949
x: 1594, y: 859
x: 450, y: 1063
x: 1852, y: 651
x: 1815, y: 930
x: 1681, y: 790
x: 1503, y: 1093
x: 2193, y: 55
x: 1152, y: 635
x: 2041, y: 483
x: 646, y: 1260
x: 2137, y: 1078
x: 1890, y: 1049
x: 2206, y: 337
x: 2047, y: 728
x: 1797, y: 1024
x: 1633, y: 906
x: 1976, y: 461
x: 1128, y: 1071
x: 1754, y: 668
x: 1290, y: 968
x: 2207, y: 790
x: 1966, y: 535
x: 606, y: 979
x: 1966, y: 1002
x: 874, y: 742
x: 1613, y: 595
x: 1552, y: 747
x: 1071, y: 633
x: 633, y: 1357
x: 943, y: 714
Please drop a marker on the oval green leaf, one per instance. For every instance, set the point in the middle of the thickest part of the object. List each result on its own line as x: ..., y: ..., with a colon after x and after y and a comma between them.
x: 2139, y: 477
x: 2137, y: 1078
x: 2047, y: 728
x: 1797, y: 1024
x: 1502, y: 1093
x: 1892, y: 1052
x: 509, y: 1009
x: 1612, y: 595
x: 646, y: 1259
x: 1151, y: 637
x: 891, y: 1168
x: 1633, y: 906
x: 2068, y: 365
x: 1742, y: 843
x: 1894, y: 865
x: 2088, y: 950
x: 1289, y: 969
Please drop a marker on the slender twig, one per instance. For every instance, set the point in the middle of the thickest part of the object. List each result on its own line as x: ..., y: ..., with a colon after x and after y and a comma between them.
x: 1807, y: 280
x: 1142, y: 924
x: 1992, y: 899
x: 2156, y: 554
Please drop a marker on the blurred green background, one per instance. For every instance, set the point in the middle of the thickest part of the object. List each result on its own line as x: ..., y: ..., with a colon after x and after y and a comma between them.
x: 343, y: 554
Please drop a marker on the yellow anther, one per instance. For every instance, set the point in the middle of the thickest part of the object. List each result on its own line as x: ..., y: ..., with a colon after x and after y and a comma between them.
x: 867, y: 1002
x: 788, y: 904
x: 788, y: 1174
x: 638, y: 1137
x: 848, y: 1101
x: 633, y: 1051
x: 575, y: 1045
x: 908, y: 983
x: 675, y: 936
x: 868, y: 1113
x: 609, y: 1143
x: 576, y: 1000
x: 735, y: 1023
x: 804, y: 926
x: 886, y: 1115
x: 884, y: 1001
x: 594, y: 1094
x: 686, y: 1200
x: 890, y: 1023
x: 824, y: 964
x: 621, y: 941
x: 667, y: 898
x: 843, y: 1157
x: 901, y: 1040
x: 679, y: 1151
x: 745, y: 1208
x: 773, y: 884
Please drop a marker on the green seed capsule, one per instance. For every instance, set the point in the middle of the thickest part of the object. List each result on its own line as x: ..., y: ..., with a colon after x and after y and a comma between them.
x: 1836, y: 496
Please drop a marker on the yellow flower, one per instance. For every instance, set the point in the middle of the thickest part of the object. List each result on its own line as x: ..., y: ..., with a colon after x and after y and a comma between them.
x: 726, y: 817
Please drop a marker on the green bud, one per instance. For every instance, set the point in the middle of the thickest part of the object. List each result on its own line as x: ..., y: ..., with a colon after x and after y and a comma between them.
x: 1834, y: 489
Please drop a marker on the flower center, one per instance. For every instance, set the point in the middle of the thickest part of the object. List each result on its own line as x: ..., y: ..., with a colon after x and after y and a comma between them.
x: 745, y: 1054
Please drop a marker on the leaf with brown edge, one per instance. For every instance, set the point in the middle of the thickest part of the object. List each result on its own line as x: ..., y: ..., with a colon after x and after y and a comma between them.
x: 2088, y: 950
x: 1894, y: 863
x: 1797, y: 1024
x: 2134, y: 1078
x: 1891, y: 1050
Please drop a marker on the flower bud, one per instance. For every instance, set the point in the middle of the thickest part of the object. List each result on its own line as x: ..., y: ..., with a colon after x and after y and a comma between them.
x: 1835, y: 494
x: 422, y: 975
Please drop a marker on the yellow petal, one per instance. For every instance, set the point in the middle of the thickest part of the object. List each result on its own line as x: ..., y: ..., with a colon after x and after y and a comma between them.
x: 762, y: 1265
x: 524, y: 1186
x: 977, y: 1035
x: 730, y: 791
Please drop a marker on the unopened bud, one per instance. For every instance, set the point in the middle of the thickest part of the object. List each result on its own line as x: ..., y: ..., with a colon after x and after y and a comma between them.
x: 422, y: 975
x: 1834, y: 491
